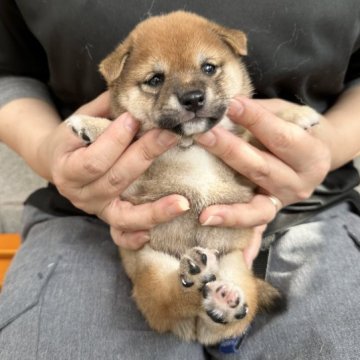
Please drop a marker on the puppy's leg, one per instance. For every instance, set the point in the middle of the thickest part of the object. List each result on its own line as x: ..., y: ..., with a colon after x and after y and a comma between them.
x: 86, y: 127
x: 301, y: 115
x: 166, y: 299
x: 231, y: 302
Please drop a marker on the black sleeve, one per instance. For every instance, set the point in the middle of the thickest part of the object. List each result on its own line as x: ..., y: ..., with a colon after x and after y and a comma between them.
x: 20, y: 52
x: 353, y: 71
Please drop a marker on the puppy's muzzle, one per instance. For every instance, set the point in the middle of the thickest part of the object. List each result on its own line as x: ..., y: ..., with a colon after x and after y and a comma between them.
x: 196, y: 116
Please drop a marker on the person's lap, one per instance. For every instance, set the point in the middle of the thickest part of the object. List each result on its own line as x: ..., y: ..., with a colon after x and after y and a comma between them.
x: 316, y: 265
x: 67, y: 297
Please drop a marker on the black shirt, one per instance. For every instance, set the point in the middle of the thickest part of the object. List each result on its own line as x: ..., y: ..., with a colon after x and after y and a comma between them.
x: 303, y: 51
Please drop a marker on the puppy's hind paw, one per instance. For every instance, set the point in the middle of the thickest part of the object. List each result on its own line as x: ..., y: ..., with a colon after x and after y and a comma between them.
x: 224, y: 302
x: 86, y: 127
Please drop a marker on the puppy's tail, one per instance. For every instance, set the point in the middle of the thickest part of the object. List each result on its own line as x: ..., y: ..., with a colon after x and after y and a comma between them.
x: 270, y: 299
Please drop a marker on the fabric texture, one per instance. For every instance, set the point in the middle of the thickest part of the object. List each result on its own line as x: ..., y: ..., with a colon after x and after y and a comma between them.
x: 67, y: 297
x: 16, y: 87
x: 300, y: 51
x: 315, y: 265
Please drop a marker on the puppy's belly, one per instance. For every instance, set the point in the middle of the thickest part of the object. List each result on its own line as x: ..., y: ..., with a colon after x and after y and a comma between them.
x: 184, y: 232
x: 203, y: 180
x: 198, y: 175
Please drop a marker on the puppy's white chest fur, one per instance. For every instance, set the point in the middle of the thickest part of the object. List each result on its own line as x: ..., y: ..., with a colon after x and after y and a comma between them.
x: 196, y: 168
x: 193, y: 173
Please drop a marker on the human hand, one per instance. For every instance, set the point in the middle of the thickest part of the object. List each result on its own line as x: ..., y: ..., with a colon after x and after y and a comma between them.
x: 293, y: 165
x: 93, y: 177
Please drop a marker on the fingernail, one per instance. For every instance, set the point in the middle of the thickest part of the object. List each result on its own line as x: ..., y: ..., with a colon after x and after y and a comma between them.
x: 206, y: 139
x: 178, y: 207
x: 236, y: 108
x: 166, y: 138
x: 213, y: 221
x: 130, y: 123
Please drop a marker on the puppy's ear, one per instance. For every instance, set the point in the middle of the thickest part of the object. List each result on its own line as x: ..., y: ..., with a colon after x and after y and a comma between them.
x: 235, y: 39
x: 111, y: 67
x: 270, y: 299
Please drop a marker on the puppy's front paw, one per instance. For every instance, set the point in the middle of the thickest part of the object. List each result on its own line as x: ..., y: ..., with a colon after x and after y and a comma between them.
x: 198, y: 267
x: 224, y: 302
x: 303, y: 116
x: 86, y: 127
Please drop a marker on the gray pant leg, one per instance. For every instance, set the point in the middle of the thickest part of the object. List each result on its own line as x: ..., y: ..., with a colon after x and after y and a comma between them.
x: 317, y: 265
x: 67, y: 297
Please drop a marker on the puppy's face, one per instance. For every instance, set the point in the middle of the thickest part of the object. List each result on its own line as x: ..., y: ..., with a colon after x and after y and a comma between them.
x: 177, y: 72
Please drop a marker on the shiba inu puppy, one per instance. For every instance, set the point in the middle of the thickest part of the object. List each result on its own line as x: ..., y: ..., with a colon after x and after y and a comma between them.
x: 179, y: 72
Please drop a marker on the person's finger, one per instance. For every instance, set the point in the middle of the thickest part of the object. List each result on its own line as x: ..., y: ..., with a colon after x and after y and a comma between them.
x: 131, y: 241
x: 134, y: 162
x: 273, y: 105
x: 124, y: 216
x: 260, y: 167
x: 251, y: 251
x: 287, y: 141
x: 260, y: 210
x: 93, y: 161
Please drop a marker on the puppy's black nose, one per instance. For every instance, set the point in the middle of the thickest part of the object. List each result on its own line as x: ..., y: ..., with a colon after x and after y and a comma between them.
x: 192, y: 100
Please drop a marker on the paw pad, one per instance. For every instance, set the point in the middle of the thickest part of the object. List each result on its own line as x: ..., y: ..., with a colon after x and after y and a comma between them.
x: 224, y: 302
x: 198, y: 267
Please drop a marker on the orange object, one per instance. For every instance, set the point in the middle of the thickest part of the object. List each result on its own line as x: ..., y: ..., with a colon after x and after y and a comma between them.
x: 9, y: 243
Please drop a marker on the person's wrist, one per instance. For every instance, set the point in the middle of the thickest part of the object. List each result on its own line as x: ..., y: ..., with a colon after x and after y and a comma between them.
x: 45, y: 155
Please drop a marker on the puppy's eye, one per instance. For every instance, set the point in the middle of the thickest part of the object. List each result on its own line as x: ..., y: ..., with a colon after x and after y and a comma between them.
x: 208, y: 69
x: 156, y: 80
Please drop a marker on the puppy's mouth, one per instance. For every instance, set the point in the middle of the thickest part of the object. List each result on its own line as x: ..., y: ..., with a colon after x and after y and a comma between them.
x: 193, y: 125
